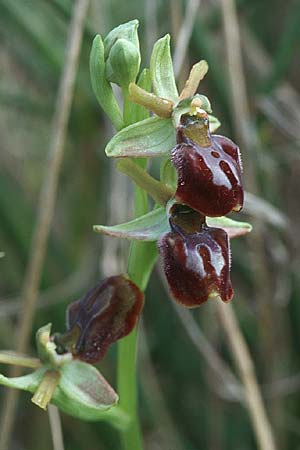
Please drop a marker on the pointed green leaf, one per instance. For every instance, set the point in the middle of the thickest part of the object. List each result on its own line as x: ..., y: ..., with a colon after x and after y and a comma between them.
x: 101, y: 87
x: 148, y: 227
x: 232, y: 227
x: 161, y: 68
x: 150, y: 137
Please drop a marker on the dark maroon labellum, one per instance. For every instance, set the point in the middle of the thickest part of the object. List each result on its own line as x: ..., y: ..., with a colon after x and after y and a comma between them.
x: 209, y: 169
x: 105, y: 314
x: 197, y: 264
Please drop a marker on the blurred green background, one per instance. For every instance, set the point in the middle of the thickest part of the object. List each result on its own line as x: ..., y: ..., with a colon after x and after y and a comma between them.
x: 184, y: 405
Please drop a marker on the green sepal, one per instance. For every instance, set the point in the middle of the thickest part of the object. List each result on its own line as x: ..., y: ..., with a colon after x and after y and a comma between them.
x: 28, y: 382
x: 101, y: 87
x: 161, y: 69
x: 150, y: 137
x: 152, y: 225
x: 148, y: 227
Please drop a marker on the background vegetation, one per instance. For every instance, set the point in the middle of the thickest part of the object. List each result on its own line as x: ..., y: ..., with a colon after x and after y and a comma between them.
x: 184, y: 403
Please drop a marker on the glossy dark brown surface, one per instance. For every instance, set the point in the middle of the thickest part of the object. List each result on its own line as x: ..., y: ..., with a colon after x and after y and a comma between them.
x: 105, y: 314
x: 209, y: 169
x: 197, y: 265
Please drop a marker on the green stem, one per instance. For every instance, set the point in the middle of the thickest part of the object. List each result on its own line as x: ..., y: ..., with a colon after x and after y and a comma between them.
x: 141, y: 258
x: 127, y: 108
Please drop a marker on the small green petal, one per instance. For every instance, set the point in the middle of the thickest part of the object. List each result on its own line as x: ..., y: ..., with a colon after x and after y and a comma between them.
x: 233, y: 228
x: 214, y: 123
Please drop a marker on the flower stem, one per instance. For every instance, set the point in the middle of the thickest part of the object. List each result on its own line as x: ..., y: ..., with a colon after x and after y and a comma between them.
x: 141, y: 259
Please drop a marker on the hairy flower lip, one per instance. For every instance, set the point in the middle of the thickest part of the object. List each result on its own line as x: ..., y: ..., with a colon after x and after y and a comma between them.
x: 209, y: 168
x: 209, y: 179
x: 196, y: 265
x: 108, y: 312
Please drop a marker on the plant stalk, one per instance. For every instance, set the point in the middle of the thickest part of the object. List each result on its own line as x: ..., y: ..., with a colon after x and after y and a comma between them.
x: 141, y: 258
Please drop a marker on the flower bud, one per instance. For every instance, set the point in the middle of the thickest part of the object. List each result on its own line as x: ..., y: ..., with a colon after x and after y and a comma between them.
x: 209, y: 168
x: 122, y: 54
x: 105, y: 314
x: 197, y: 263
x: 126, y: 31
